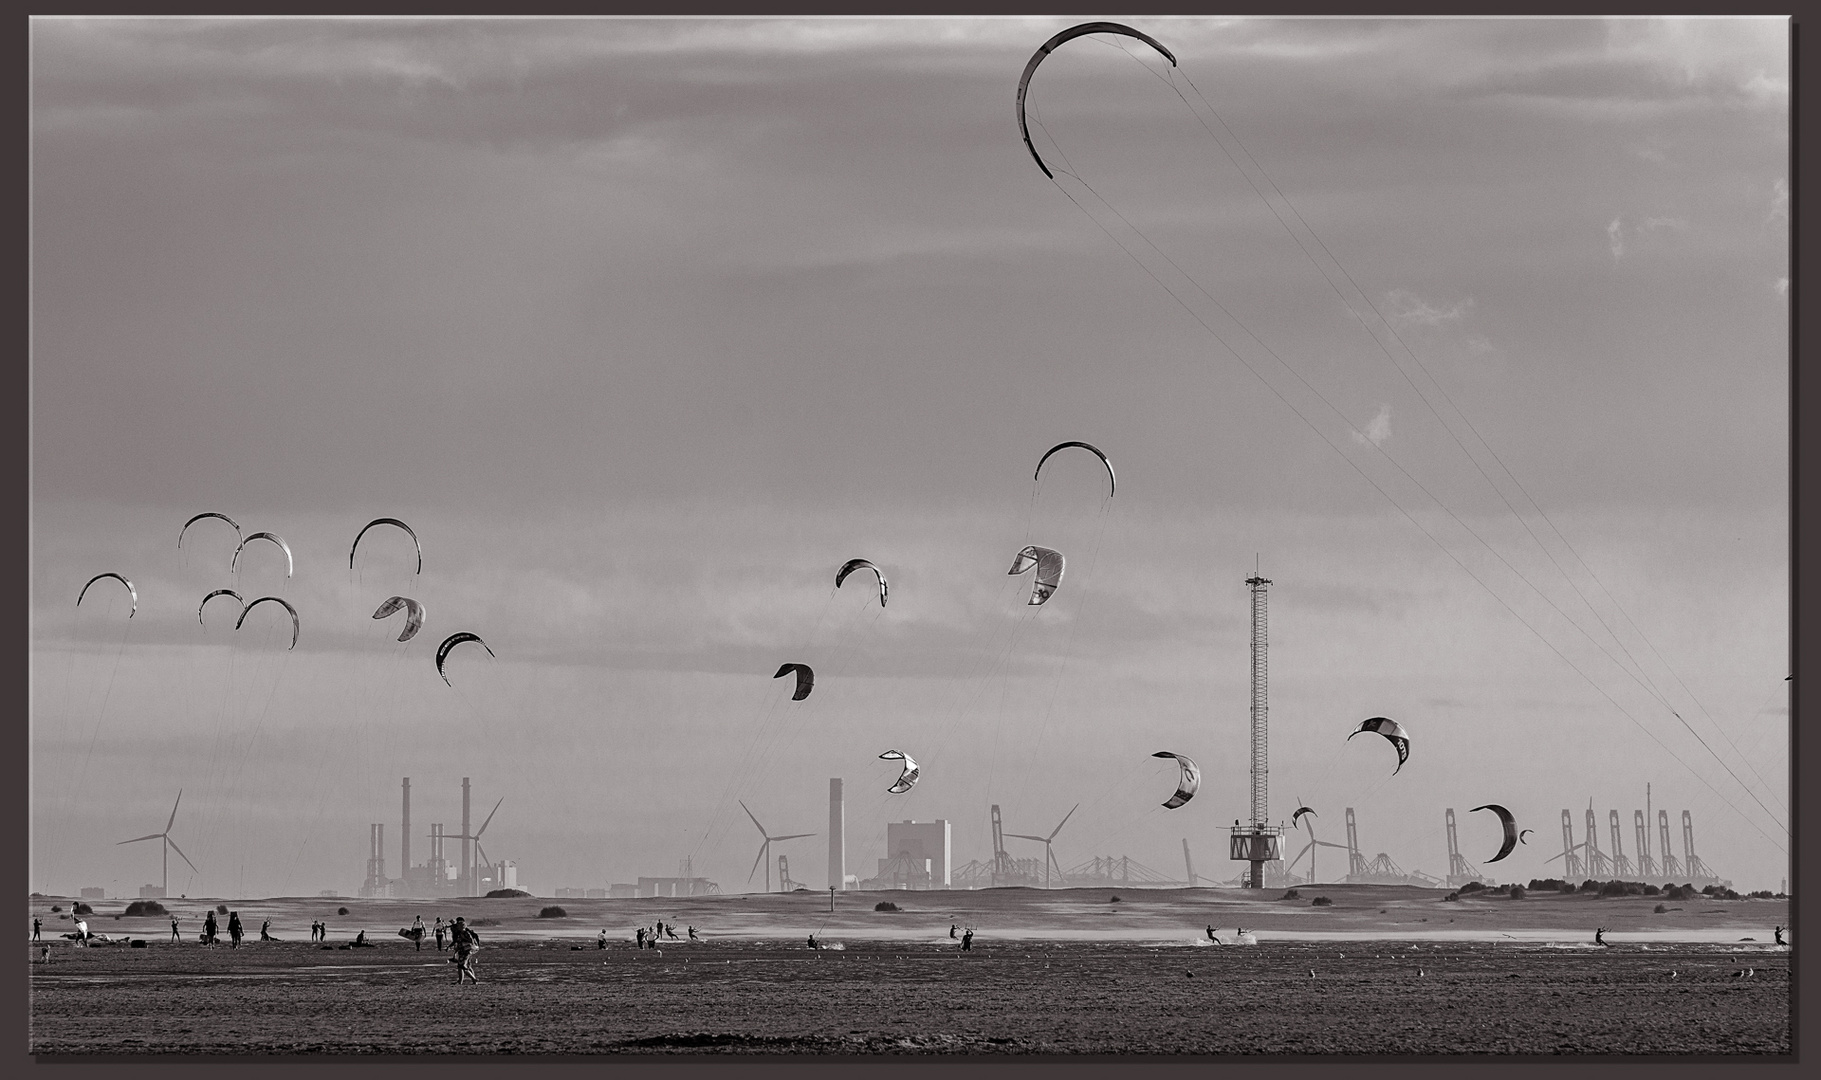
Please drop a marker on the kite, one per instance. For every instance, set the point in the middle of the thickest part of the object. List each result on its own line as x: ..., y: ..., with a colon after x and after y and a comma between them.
x: 1510, y: 823
x: 1049, y: 565
x: 130, y: 591
x: 1049, y: 46
x: 442, y: 651
x: 906, y: 778
x: 1187, y: 784
x: 414, y: 614
x: 806, y: 679
x: 1391, y: 730
x: 199, y: 517
x: 388, y: 521
x: 1112, y: 484
x: 213, y: 595
x: 854, y: 564
x: 248, y: 610
x: 276, y: 539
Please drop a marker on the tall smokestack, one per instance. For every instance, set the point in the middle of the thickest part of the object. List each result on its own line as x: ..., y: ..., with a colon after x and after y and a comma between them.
x: 467, y: 874
x: 837, y: 836
x: 404, y: 837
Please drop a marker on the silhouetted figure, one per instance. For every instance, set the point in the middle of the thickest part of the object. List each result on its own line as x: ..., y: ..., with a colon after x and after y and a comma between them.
x: 38, y: 925
x: 1599, y: 936
x: 670, y: 931
x: 967, y: 940
x: 641, y: 937
x: 209, y: 928
x: 235, y: 930
x: 692, y: 934
x: 813, y: 943
x: 466, y: 942
x: 82, y: 932
x: 175, y: 936
x: 1778, y: 932
x: 953, y: 929
x: 440, y: 931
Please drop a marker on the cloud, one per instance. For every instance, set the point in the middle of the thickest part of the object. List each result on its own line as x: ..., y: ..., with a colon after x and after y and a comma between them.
x: 1407, y: 307
x: 1615, y: 239
x: 1378, y: 430
x: 1779, y: 202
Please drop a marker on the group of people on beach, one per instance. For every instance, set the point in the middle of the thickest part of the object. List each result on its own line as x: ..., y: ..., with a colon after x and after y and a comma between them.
x: 655, y: 936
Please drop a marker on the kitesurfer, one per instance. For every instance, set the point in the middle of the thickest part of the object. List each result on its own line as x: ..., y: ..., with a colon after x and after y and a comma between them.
x: 175, y: 936
x: 265, y: 931
x: 1211, y: 936
x: 813, y: 943
x: 952, y: 927
x: 466, y: 942
x: 1599, y: 937
x: 967, y: 940
x: 1778, y: 932
x: 692, y: 934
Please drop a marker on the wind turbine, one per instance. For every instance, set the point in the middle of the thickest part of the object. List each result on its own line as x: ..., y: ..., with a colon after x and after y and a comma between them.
x: 168, y: 844
x: 1049, y: 857
x: 765, y: 848
x: 473, y: 871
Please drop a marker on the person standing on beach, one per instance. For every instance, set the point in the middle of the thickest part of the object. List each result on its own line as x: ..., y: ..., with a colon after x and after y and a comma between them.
x: 175, y: 936
x: 440, y: 931
x: 1778, y: 932
x: 952, y: 927
x: 265, y: 931
x: 967, y: 940
x: 641, y: 937
x: 466, y: 941
x: 208, y: 928
x: 601, y: 942
x: 38, y: 926
x: 235, y: 930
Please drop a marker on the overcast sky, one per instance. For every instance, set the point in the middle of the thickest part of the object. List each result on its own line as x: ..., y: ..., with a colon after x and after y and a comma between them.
x: 647, y: 325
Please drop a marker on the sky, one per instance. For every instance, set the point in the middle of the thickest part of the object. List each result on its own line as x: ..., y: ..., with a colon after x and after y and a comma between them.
x: 1470, y: 335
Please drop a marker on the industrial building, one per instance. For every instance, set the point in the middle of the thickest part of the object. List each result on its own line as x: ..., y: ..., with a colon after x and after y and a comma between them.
x: 918, y: 856
x: 472, y: 874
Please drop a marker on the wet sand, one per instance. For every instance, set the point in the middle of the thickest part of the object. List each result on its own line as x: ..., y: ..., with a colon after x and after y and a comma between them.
x: 1063, y: 973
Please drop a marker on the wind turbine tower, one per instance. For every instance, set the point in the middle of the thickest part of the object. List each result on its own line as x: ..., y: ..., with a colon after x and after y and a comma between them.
x: 1256, y: 842
x: 164, y: 889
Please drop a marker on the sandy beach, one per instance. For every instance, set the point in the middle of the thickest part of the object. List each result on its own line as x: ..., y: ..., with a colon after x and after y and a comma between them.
x: 1066, y: 972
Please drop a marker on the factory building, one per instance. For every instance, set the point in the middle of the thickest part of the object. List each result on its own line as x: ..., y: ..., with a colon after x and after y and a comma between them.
x: 918, y: 856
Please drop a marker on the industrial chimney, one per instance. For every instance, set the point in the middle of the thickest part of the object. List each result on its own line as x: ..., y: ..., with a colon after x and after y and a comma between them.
x: 837, y: 836
x: 404, y: 841
x: 466, y: 878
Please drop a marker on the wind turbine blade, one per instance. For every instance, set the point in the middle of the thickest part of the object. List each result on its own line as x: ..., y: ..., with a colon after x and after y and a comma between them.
x: 483, y: 853
x: 136, y: 839
x: 764, y: 849
x: 792, y: 836
x: 173, y: 821
x: 1064, y: 821
x: 180, y: 853
x: 490, y: 813
x: 755, y: 820
x: 1028, y: 836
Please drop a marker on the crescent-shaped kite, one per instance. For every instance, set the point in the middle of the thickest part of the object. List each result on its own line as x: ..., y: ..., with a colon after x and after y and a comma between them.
x: 1049, y: 563
x: 806, y: 679
x: 1297, y: 816
x: 130, y: 591
x: 210, y: 514
x: 276, y: 539
x: 907, y: 777
x: 213, y: 595
x: 296, y: 625
x: 1186, y: 784
x: 414, y: 614
x: 1391, y: 730
x: 1112, y: 482
x: 388, y: 521
x: 1510, y: 823
x: 1024, y: 81
x: 442, y: 651
x: 854, y: 564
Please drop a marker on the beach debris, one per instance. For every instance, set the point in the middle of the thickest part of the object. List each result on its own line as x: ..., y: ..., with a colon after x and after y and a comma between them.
x: 1186, y: 784
x: 1049, y: 563
x: 854, y: 564
x: 806, y: 679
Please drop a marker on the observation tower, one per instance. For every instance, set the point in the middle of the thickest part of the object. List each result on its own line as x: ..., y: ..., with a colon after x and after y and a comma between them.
x: 1256, y: 842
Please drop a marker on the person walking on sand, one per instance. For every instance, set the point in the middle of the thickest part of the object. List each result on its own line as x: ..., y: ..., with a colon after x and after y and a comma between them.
x: 38, y: 927
x: 466, y: 942
x: 208, y: 928
x: 601, y: 942
x: 440, y: 931
x: 967, y: 940
x: 235, y: 930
